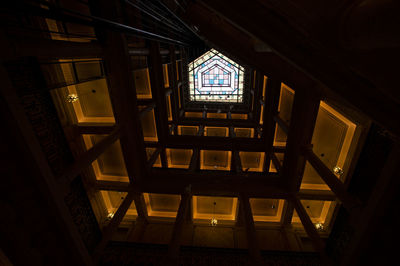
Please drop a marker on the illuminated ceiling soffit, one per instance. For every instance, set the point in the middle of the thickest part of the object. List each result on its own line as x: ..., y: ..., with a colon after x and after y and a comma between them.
x: 213, y: 77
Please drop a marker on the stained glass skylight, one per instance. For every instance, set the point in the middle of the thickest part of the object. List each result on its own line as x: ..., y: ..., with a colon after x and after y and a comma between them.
x: 213, y: 77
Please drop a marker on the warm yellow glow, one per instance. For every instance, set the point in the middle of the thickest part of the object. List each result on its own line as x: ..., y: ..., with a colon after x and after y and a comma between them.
x: 215, y: 160
x: 152, y: 210
x: 265, y: 218
x: 227, y: 204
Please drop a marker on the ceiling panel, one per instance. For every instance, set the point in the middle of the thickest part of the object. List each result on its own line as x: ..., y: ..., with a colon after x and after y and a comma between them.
x: 215, y: 160
x: 216, y: 131
x: 179, y: 158
x: 149, y: 126
x: 225, y: 208
x: 188, y: 130
x: 244, y: 132
x: 266, y: 210
x: 162, y: 205
x: 110, y: 165
x: 331, y: 141
x: 142, y: 83
x: 216, y: 115
x: 319, y: 211
x: 252, y: 161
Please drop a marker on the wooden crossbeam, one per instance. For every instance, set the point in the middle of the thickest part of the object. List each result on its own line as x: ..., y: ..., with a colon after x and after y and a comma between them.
x: 308, y: 225
x: 334, y: 183
x: 85, y: 160
x: 252, y: 240
x: 176, y: 237
x: 215, y: 143
x: 112, y: 226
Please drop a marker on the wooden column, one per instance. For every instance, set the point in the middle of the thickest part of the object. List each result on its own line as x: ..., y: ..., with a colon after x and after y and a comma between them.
x: 257, y: 97
x: 334, y: 183
x: 158, y: 91
x: 173, y: 83
x: 252, y: 240
x: 112, y: 226
x: 272, y: 91
x: 304, y: 114
x: 174, y: 245
x: 122, y: 91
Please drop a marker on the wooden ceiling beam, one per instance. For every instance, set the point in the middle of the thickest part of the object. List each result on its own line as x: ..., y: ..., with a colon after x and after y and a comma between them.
x: 122, y: 90
x: 256, y: 103
x: 251, y: 235
x: 173, y: 83
x: 177, y: 231
x: 85, y: 160
x: 271, y: 99
x: 215, y: 143
x: 112, y: 226
x: 349, y: 202
x: 218, y: 122
x: 44, y: 48
x: 304, y: 115
x: 159, y: 95
x: 94, y: 129
x: 309, y: 227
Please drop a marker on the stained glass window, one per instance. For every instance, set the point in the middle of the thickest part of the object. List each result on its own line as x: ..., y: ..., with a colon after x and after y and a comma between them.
x: 214, y: 77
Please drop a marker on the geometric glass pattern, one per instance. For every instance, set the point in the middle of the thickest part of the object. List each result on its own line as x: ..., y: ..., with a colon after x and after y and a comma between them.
x: 213, y: 77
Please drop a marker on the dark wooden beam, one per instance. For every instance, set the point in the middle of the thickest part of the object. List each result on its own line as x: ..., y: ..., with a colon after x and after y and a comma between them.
x: 173, y: 83
x: 334, y: 183
x: 122, y: 90
x: 147, y: 109
x: 272, y: 92
x: 158, y: 92
x: 304, y: 115
x: 368, y: 222
x: 176, y: 237
x: 282, y: 124
x: 312, y: 232
x: 101, y: 129
x: 135, y: 233
x: 112, y: 226
x: 192, y: 121
x: 257, y: 97
x: 222, y: 183
x: 154, y: 157
x: 85, y: 160
x: 140, y: 205
x: 112, y: 186
x: 215, y: 143
x: 252, y: 240
x: 276, y: 162
x: 195, y: 161
x: 44, y: 48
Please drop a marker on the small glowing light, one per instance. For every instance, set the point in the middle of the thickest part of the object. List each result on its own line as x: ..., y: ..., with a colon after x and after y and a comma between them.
x: 214, y: 222
x: 319, y: 226
x: 71, y: 98
x: 110, y: 215
x: 337, y: 170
